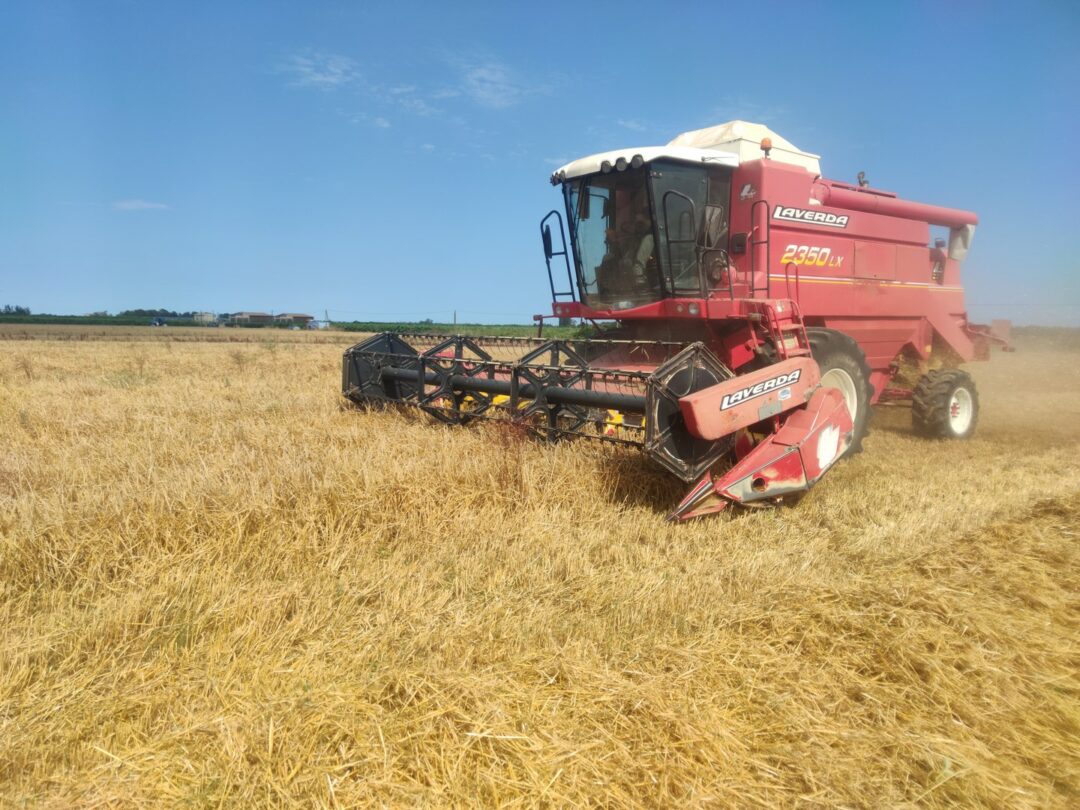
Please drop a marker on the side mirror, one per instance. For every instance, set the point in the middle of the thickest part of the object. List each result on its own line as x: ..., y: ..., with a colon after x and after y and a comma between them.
x: 546, y: 236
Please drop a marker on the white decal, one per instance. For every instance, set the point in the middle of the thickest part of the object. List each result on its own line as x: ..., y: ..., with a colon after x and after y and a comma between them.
x: 827, y: 444
x: 810, y: 217
x: 753, y: 391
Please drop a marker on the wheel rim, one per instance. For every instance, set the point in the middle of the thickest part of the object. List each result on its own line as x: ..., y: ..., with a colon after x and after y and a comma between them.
x: 961, y: 410
x: 840, y: 380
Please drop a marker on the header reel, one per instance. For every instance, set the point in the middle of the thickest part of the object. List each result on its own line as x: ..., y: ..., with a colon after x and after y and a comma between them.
x: 625, y: 392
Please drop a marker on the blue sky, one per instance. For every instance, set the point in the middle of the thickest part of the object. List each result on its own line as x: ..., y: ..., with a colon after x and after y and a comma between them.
x: 391, y: 159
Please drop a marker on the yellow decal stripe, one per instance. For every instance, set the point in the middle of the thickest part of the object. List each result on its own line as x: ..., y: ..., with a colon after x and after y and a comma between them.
x: 877, y: 281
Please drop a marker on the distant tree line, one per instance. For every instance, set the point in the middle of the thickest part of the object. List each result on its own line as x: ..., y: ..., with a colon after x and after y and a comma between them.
x: 14, y: 310
x: 154, y: 313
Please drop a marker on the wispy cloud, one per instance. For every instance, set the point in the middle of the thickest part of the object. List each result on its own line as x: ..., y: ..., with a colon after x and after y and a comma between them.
x: 325, y: 71
x: 494, y: 84
x: 462, y: 93
x: 138, y: 205
x: 556, y: 161
x: 380, y: 121
x: 636, y: 126
x: 417, y: 105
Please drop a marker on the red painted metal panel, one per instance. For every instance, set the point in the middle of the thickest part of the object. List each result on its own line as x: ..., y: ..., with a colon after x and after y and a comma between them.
x: 749, y: 398
x: 856, y: 260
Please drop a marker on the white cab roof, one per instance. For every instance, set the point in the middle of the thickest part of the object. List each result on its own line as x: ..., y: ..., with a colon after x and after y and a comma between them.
x: 726, y: 144
x: 685, y: 154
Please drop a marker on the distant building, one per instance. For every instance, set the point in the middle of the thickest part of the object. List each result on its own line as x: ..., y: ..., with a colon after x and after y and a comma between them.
x: 204, y: 318
x: 252, y: 318
x: 294, y: 319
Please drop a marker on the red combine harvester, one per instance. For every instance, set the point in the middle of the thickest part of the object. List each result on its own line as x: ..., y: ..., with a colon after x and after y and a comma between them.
x: 754, y: 311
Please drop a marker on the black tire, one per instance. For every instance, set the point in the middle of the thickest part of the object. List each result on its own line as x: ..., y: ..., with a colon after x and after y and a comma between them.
x: 835, y: 351
x: 945, y: 405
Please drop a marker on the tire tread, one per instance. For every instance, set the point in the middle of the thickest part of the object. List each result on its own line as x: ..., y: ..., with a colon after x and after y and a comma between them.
x: 930, y: 402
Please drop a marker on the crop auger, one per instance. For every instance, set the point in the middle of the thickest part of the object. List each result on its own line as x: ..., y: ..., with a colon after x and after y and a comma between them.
x: 754, y: 310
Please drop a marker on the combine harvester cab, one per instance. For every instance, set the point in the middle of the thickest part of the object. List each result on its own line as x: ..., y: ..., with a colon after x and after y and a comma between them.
x: 756, y: 311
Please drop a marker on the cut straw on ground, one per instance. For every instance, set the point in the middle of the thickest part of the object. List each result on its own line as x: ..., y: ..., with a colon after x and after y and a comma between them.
x: 220, y: 585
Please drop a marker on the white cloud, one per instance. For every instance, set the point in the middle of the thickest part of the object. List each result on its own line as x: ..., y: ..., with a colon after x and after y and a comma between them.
x: 416, y: 105
x: 428, y: 147
x: 138, y: 205
x: 636, y: 126
x: 492, y: 84
x: 323, y: 70
x: 556, y: 161
x: 481, y: 80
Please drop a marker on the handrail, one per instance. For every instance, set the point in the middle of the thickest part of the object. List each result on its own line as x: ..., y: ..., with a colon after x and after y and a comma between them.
x: 692, y: 240
x: 754, y: 243
x: 550, y: 253
x: 787, y: 280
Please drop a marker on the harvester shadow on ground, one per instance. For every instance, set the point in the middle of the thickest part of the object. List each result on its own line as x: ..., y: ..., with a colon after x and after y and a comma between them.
x: 632, y: 481
x: 629, y: 478
x: 894, y: 419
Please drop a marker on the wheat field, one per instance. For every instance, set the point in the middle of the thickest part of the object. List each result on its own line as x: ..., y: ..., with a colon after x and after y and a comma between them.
x: 220, y: 586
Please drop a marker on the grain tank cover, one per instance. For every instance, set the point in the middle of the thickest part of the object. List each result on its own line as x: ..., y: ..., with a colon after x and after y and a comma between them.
x: 744, y: 139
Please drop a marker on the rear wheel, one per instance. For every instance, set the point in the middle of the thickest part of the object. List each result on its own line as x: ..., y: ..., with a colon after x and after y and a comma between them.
x: 945, y: 405
x: 843, y: 367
